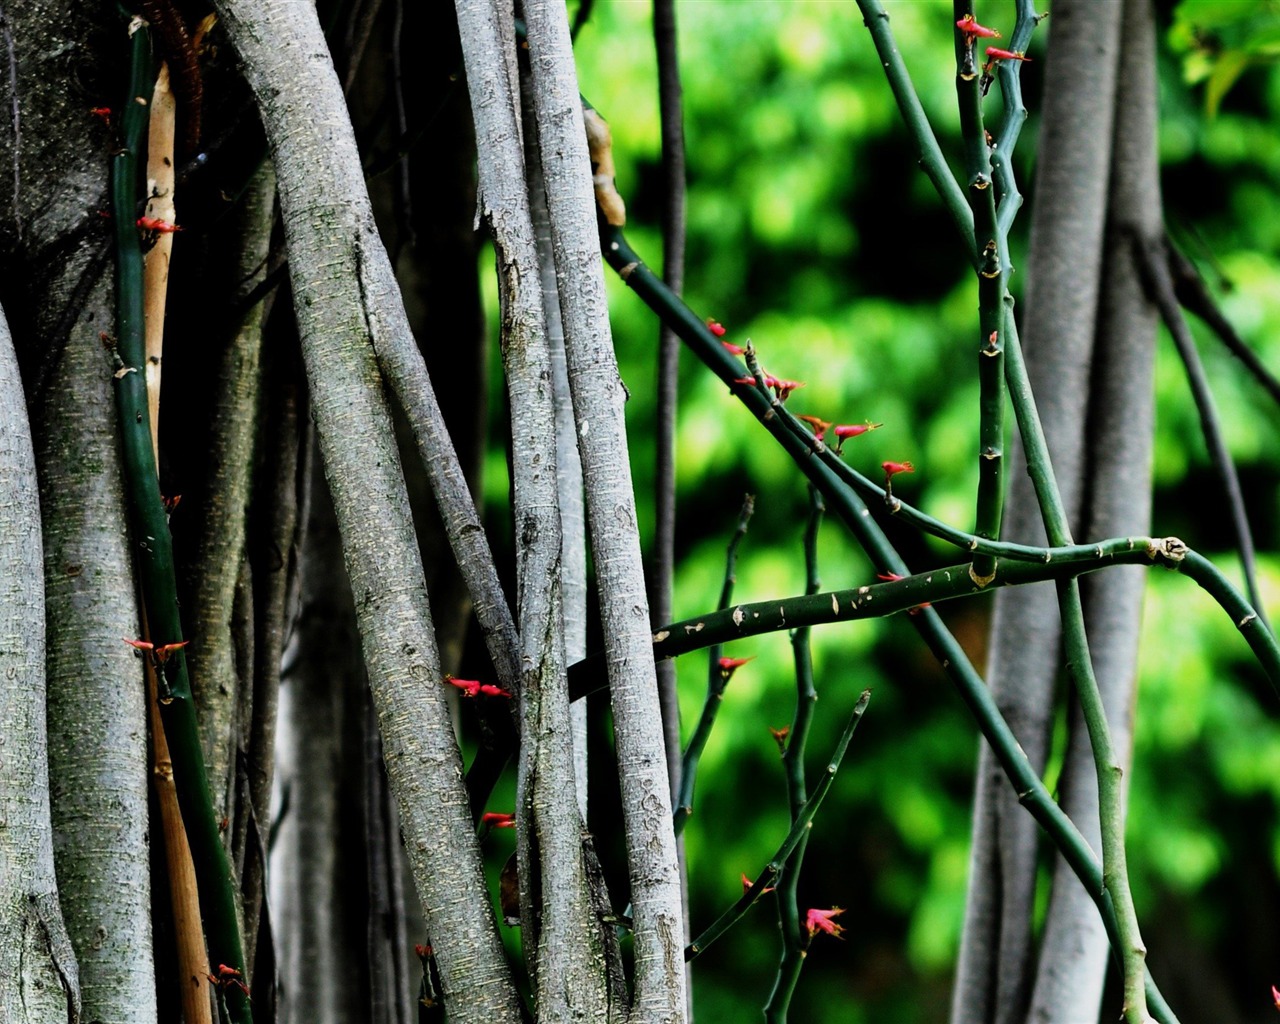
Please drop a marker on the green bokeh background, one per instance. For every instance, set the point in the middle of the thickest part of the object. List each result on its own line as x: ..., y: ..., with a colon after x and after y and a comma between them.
x: 812, y: 232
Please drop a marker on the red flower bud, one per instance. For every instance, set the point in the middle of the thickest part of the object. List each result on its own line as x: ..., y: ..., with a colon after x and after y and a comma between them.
x: 715, y: 328
x: 995, y: 53
x: 422, y: 951
x: 820, y: 921
x: 736, y: 350
x: 498, y: 820
x: 893, y: 468
x: 102, y: 112
x: 783, y: 388
x: 820, y: 426
x: 728, y: 666
x: 141, y: 645
x: 970, y: 27
x: 162, y: 227
x: 780, y: 737
x: 469, y: 687
x: 889, y: 577
x: 855, y: 429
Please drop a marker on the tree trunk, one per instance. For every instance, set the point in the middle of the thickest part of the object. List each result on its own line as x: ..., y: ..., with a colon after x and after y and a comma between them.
x: 55, y: 155
x: 346, y: 301
x: 39, y: 978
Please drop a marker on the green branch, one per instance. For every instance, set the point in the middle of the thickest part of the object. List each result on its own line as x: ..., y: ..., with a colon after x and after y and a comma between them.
x: 799, y: 830
x: 989, y: 242
x: 929, y: 152
x: 851, y: 510
x: 786, y: 895
x: 717, y: 679
x: 150, y: 529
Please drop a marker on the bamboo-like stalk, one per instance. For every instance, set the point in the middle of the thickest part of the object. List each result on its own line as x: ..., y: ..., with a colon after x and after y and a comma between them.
x: 1008, y: 198
x: 1056, y: 524
x: 800, y: 827
x: 717, y: 680
x: 155, y: 264
x: 184, y: 895
x: 1115, y: 872
x: 193, y: 960
x: 787, y: 892
x: 876, y: 600
x: 155, y: 560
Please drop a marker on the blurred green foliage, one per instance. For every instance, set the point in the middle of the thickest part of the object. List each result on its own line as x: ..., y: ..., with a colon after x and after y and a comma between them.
x: 812, y: 232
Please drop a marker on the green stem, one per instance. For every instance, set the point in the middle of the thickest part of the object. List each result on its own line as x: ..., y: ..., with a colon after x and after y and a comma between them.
x: 1008, y: 198
x: 857, y: 517
x: 799, y: 830
x: 150, y: 530
x: 793, y: 947
x: 717, y: 680
x: 991, y: 277
x: 1115, y: 872
x: 929, y: 152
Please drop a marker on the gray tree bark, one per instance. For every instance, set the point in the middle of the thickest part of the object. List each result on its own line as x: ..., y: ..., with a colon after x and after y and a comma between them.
x: 345, y: 299
x: 54, y: 155
x: 39, y: 978
x: 320, y: 754
x: 598, y: 405
x: 1073, y: 953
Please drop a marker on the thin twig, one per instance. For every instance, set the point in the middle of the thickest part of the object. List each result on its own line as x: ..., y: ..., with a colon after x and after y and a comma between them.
x: 717, y: 679
x: 662, y: 570
x: 786, y: 895
x: 1194, y: 295
x: 1154, y: 263
x: 800, y: 827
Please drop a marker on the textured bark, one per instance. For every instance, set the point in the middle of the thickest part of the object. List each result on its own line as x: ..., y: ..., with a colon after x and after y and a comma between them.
x: 39, y: 981
x: 223, y: 695
x: 54, y: 155
x: 573, y: 515
x: 319, y: 913
x: 566, y: 966
x: 1064, y: 267
x: 598, y: 404
x: 344, y: 298
x: 1074, y: 949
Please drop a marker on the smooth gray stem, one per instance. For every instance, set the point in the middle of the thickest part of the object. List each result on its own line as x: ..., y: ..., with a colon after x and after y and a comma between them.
x: 566, y: 966
x: 573, y: 514
x: 1064, y: 278
x: 598, y: 398
x: 346, y: 303
x: 39, y: 978
x: 318, y: 929
x: 215, y: 683
x: 1074, y: 948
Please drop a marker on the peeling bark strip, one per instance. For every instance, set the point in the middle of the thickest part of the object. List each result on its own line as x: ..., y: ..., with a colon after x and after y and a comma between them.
x: 39, y: 980
x: 598, y: 403
x: 329, y: 232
